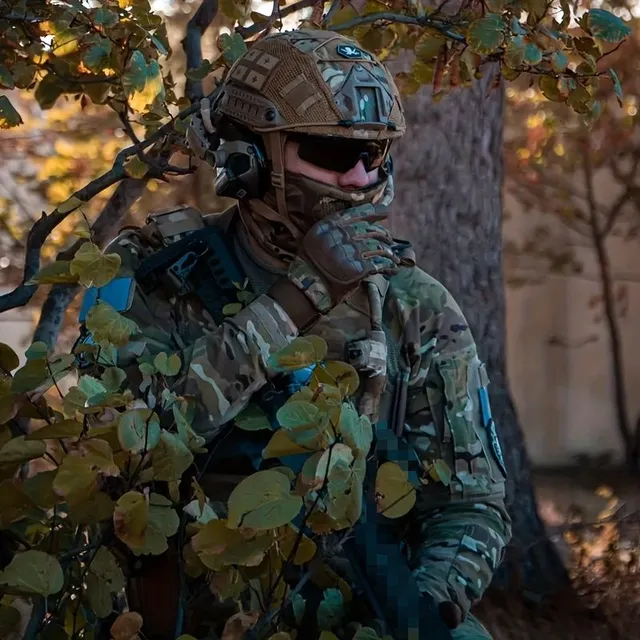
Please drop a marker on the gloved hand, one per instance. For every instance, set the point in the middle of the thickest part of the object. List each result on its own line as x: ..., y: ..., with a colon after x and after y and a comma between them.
x: 335, y: 256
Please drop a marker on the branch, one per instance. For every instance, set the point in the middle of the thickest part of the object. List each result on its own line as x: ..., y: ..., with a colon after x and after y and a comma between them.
x: 192, y: 44
x: 104, y: 228
x: 254, y: 29
x: 40, y: 231
x: 421, y: 21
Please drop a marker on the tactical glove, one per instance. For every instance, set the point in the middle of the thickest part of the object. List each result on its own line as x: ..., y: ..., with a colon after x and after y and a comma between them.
x: 335, y: 256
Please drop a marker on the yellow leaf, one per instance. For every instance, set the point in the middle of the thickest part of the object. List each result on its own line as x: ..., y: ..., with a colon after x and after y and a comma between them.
x: 238, y: 624
x: 395, y: 496
x: 75, y: 480
x: 135, y: 167
x: 131, y: 518
x: 227, y: 583
x: 281, y: 444
x: 69, y: 205
x: 126, y: 626
x: 54, y: 273
x: 105, y: 323
x: 337, y: 374
x: 94, y: 268
x: 306, y: 548
x: 57, y: 430
x: 263, y: 501
x: 440, y: 471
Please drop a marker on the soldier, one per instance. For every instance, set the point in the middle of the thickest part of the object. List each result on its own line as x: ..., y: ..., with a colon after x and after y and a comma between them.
x: 301, y: 132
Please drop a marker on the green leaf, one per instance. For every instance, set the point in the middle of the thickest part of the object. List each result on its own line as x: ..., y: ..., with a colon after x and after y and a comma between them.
x: 112, y: 378
x: 163, y: 523
x: 48, y: 91
x: 105, y: 566
x: 428, y: 46
x: 105, y: 323
x: 171, y: 458
x: 356, y: 430
x: 167, y: 365
x: 39, y: 488
x: 99, y: 597
x: 514, y: 52
x: 617, y: 87
x: 136, y: 168
x: 94, y: 268
x: 331, y: 609
x: 201, y: 72
x: 143, y: 82
x: 232, y: 47
x: 54, y: 273
x: 9, y: 117
x: 232, y: 308
x: 253, y: 418
x: 90, y: 386
x: 30, y: 376
x: 607, y: 27
x: 366, y: 633
x: 36, y: 351
x: 97, y: 55
x: 33, y: 572
x: 486, y: 35
x: 263, y: 501
x: 579, y: 99
x: 57, y: 430
x: 297, y: 413
x: 298, y: 604
x: 8, y: 358
x: 19, y: 450
x: 139, y: 430
x: 559, y: 61
x: 496, y: 6
x: 532, y: 54
x: 104, y: 17
x: 97, y: 508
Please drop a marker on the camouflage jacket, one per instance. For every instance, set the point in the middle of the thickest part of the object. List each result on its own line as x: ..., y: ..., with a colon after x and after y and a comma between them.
x: 459, y: 527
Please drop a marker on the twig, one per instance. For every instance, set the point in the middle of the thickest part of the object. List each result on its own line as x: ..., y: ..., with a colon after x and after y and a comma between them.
x: 192, y: 44
x: 61, y: 295
x: 424, y: 21
x: 40, y: 231
x: 254, y: 29
x: 333, y: 9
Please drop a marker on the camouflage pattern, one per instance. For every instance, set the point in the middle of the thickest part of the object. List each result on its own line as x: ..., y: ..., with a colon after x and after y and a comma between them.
x: 458, y: 530
x: 316, y: 82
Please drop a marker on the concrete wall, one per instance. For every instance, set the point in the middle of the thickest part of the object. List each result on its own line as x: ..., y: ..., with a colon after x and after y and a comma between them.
x: 564, y: 393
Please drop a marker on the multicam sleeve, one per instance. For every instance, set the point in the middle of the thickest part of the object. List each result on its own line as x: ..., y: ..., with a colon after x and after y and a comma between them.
x: 220, y: 369
x: 459, y: 526
x: 224, y: 368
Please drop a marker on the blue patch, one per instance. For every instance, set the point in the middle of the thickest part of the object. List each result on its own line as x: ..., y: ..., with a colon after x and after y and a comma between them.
x: 118, y: 293
x: 349, y: 51
x: 490, y: 426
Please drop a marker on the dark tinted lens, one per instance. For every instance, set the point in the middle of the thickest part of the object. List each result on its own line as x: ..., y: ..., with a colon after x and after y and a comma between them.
x: 341, y: 154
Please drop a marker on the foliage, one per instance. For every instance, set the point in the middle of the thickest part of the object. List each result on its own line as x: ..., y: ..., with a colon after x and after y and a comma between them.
x: 100, y: 479
x: 107, y: 471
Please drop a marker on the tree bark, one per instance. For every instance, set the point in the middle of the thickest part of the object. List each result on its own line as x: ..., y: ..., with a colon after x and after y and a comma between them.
x: 448, y: 180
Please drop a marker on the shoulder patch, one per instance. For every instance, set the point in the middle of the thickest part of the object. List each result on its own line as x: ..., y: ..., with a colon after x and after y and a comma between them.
x: 118, y: 293
x: 349, y: 51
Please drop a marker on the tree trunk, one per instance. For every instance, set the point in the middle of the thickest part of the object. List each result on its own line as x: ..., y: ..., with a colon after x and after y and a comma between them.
x: 448, y: 180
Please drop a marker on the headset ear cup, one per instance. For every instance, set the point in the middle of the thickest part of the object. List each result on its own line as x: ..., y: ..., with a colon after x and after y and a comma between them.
x: 244, y: 170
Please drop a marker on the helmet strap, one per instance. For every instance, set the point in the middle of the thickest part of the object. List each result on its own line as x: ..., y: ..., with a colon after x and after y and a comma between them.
x: 275, y: 142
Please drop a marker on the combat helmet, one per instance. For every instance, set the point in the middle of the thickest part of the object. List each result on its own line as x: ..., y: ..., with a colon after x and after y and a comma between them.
x: 311, y: 85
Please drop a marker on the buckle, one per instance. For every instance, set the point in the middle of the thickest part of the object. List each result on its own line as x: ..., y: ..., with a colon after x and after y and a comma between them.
x: 181, y: 269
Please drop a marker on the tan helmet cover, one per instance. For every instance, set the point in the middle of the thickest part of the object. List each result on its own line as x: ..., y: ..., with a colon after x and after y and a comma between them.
x: 316, y: 82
